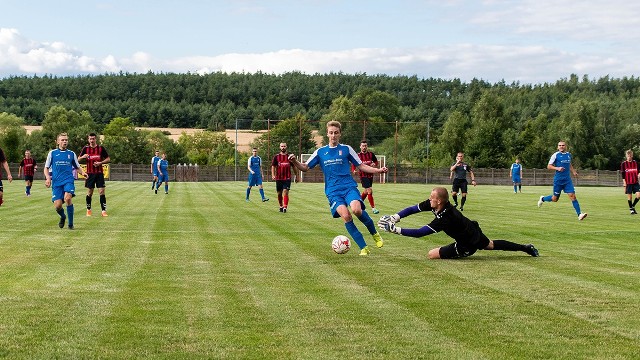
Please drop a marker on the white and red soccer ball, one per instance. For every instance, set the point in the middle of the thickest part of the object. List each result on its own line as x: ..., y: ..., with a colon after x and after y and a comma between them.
x: 341, y: 244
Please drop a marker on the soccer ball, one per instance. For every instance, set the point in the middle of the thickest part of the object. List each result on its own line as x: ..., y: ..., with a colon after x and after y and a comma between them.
x: 341, y: 244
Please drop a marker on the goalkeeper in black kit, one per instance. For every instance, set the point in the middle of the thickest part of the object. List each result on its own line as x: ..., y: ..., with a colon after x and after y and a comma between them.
x: 467, y: 234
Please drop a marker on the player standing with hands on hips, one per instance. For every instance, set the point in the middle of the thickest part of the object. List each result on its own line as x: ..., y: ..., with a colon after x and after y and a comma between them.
x: 459, y: 172
x: 368, y: 158
x: 467, y: 234
x: 560, y: 161
x: 281, y: 173
x: 335, y: 160
x: 96, y: 155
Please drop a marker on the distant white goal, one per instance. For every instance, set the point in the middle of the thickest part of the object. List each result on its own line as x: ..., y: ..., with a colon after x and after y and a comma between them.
x: 382, y: 161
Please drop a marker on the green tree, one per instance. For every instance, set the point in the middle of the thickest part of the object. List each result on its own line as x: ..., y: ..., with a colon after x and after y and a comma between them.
x: 13, y: 136
x: 77, y: 126
x: 207, y: 147
x: 296, y: 132
x: 125, y: 144
x: 452, y: 140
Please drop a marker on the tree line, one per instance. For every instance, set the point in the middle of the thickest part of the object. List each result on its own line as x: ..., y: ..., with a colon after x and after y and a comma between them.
x: 422, y: 122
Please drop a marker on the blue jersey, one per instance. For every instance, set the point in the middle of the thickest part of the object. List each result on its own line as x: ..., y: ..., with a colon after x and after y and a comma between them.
x: 164, y: 166
x: 154, y: 164
x: 515, y: 169
x: 61, y: 164
x: 560, y: 159
x: 335, y: 163
x: 255, y: 162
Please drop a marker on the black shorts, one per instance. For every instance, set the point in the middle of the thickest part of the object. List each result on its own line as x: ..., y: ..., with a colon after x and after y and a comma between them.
x: 459, y: 184
x: 632, y: 188
x: 28, y: 178
x: 366, y: 182
x: 1, y: 187
x: 283, y: 184
x: 94, y: 181
x: 458, y: 250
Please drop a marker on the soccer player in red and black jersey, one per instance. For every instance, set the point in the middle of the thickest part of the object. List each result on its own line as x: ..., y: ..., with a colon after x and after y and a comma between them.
x: 27, y: 169
x: 96, y: 155
x: 281, y: 173
x: 629, y: 171
x: 368, y: 158
x: 5, y: 165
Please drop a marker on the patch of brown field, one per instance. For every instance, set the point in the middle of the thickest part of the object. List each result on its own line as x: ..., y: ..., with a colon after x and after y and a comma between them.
x: 244, y: 137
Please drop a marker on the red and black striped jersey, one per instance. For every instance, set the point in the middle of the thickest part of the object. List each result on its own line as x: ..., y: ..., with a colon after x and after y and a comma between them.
x: 367, y: 158
x: 282, y: 167
x: 28, y: 166
x: 96, y: 154
x: 629, y: 170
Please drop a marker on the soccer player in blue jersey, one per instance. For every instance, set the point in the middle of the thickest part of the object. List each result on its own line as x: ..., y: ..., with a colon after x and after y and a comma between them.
x: 163, y: 173
x: 335, y: 160
x: 561, y: 162
x: 255, y: 174
x: 58, y: 172
x: 154, y: 169
x: 516, y: 176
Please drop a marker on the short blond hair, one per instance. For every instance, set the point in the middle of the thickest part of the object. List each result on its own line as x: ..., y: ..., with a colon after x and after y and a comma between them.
x: 334, y: 123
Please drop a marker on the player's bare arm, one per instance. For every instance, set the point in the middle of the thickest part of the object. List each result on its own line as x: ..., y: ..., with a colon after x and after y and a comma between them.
x: 298, y: 165
x: 372, y: 170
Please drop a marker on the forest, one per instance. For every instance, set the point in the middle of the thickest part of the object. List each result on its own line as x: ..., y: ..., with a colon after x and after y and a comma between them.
x: 422, y: 122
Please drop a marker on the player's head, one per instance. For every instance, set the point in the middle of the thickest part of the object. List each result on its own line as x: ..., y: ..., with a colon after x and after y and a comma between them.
x: 92, y: 139
x: 460, y: 156
x: 62, y: 140
x: 562, y: 146
x: 254, y: 151
x: 517, y: 160
x: 334, y: 129
x: 629, y: 154
x: 283, y: 147
x: 439, y: 198
x: 164, y: 156
x: 27, y: 153
x: 364, y: 146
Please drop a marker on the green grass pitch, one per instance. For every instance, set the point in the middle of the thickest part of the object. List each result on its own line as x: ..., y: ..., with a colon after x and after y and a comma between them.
x: 200, y: 273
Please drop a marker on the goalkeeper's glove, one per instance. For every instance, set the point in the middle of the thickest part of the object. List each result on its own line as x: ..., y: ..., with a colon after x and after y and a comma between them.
x: 389, y: 226
x: 395, y: 218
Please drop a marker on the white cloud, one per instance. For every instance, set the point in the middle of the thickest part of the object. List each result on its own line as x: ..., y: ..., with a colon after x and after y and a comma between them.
x: 527, y: 64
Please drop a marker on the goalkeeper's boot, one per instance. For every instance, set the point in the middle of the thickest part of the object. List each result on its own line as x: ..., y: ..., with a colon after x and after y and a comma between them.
x: 378, y: 239
x: 531, y: 250
x: 364, y: 251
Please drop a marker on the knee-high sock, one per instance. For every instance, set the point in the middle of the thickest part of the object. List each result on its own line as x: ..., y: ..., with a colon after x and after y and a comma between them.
x: 368, y: 222
x: 547, y: 198
x: 464, y: 200
x: 370, y: 197
x: 506, y: 245
x: 262, y: 193
x: 576, y: 206
x: 166, y: 187
x: 515, y: 188
x: 153, y: 184
x: 630, y: 204
x: 280, y: 200
x: 60, y: 212
x: 286, y: 200
x: 248, y: 192
x: 103, y: 202
x: 363, y: 196
x: 70, y: 215
x: 635, y: 202
x: 88, y: 200
x: 356, y: 235
x: 455, y: 199
x: 28, y: 190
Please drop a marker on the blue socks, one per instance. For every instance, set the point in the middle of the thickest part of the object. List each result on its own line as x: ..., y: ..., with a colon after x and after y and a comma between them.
x: 547, y: 198
x: 70, y: 215
x: 576, y: 206
x: 248, y: 191
x: 368, y: 222
x: 356, y: 235
x: 262, y: 193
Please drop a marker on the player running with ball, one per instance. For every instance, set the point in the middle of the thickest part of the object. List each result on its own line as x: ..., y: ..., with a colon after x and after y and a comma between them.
x: 339, y: 187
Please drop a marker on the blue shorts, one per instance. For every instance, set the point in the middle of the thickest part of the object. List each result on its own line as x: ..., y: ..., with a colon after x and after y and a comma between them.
x: 58, y: 191
x: 566, y: 186
x: 516, y: 180
x: 255, y: 179
x: 163, y: 177
x: 344, y: 197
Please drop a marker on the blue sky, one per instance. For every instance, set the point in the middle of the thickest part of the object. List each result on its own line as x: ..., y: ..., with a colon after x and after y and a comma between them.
x: 530, y: 41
